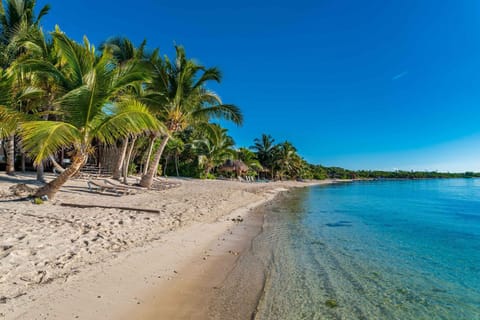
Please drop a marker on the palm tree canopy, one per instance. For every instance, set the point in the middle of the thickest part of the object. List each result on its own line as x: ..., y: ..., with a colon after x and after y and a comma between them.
x: 216, y: 147
x: 123, y: 49
x: 13, y: 13
x: 265, y: 147
x: 17, y: 103
x: 88, y: 108
x: 249, y: 158
x: 180, y: 96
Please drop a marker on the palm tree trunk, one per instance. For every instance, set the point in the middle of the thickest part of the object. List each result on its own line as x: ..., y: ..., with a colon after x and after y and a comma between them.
x: 126, y: 163
x: 149, y: 155
x: 51, y: 188
x: 166, y: 164
x: 11, y: 155
x: 117, y: 170
x: 3, y: 142
x: 56, y: 165
x: 40, y: 173
x: 147, y: 179
x: 23, y: 163
x: 176, y: 164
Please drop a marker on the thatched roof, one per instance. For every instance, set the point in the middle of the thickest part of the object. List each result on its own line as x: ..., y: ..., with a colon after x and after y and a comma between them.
x: 235, y: 165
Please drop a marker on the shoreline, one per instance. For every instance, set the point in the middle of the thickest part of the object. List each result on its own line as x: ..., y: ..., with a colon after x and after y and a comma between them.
x: 123, y: 282
x: 190, y: 296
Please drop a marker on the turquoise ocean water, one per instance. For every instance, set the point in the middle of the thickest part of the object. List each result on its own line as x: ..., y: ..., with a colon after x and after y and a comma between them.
x: 373, y: 250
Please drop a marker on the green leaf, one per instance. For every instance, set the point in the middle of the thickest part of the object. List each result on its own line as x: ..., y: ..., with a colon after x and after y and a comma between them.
x: 43, y: 138
x: 126, y: 118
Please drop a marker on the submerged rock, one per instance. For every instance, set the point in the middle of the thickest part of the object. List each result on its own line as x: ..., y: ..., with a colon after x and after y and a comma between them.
x: 331, y: 303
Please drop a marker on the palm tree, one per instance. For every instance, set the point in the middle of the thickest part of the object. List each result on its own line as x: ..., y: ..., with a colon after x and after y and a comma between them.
x: 88, y: 108
x: 215, y: 148
x: 181, y: 100
x: 265, y: 149
x: 15, y: 15
x: 285, y: 158
x: 18, y: 102
x: 249, y: 158
x: 174, y: 148
x: 9, y: 119
x: 124, y: 51
x: 36, y: 46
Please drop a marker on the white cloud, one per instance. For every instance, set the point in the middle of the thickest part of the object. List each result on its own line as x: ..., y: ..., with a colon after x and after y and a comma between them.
x: 400, y: 75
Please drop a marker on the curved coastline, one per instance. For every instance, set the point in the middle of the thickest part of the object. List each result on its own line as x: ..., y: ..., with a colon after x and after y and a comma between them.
x: 106, y: 284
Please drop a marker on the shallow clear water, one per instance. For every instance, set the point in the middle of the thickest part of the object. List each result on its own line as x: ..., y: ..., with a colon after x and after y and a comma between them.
x: 373, y: 250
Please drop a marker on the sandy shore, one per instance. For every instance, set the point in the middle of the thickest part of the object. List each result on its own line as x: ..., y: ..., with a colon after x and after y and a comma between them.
x: 67, y: 263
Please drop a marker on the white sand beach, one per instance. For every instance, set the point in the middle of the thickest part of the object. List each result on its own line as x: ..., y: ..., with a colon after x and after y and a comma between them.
x: 61, y: 262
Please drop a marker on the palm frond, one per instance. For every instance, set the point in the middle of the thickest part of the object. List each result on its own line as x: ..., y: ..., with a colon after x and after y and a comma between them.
x: 9, y: 120
x: 43, y: 138
x: 126, y: 118
x: 79, y: 59
x: 130, y: 73
x: 43, y: 12
x: 43, y: 67
x: 211, y: 74
x: 74, y: 103
x: 224, y: 111
x: 30, y: 93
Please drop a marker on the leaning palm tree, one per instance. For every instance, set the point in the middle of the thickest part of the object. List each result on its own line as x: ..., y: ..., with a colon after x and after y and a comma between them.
x: 181, y: 99
x: 87, y: 110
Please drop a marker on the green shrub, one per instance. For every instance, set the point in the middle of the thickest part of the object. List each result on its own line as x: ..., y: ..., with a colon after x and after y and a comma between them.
x: 208, y: 176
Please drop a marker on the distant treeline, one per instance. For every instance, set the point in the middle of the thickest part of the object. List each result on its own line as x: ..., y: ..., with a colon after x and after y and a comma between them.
x: 321, y: 172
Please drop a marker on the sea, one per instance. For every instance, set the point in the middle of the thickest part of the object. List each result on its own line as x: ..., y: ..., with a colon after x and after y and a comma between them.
x: 406, y: 249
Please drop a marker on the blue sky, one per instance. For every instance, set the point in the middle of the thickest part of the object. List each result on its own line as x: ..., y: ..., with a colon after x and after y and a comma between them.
x: 360, y: 84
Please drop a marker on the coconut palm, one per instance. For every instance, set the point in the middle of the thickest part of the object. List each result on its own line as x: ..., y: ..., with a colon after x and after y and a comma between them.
x: 215, y: 148
x: 265, y: 149
x: 37, y: 47
x: 18, y: 102
x: 285, y: 158
x: 15, y: 15
x: 125, y: 52
x: 181, y: 99
x: 173, y: 149
x: 249, y: 158
x: 88, y: 109
x: 16, y: 12
x: 9, y: 119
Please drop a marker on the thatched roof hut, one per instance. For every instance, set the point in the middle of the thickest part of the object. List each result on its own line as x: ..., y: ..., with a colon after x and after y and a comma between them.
x: 237, y: 166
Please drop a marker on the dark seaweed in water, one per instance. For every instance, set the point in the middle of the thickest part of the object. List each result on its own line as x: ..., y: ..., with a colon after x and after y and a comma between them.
x: 339, y: 224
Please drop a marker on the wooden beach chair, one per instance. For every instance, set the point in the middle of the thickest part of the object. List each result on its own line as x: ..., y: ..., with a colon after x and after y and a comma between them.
x: 102, y: 187
x: 122, y: 186
x: 164, y: 184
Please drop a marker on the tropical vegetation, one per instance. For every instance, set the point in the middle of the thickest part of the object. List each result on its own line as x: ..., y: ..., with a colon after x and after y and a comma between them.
x: 62, y: 101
